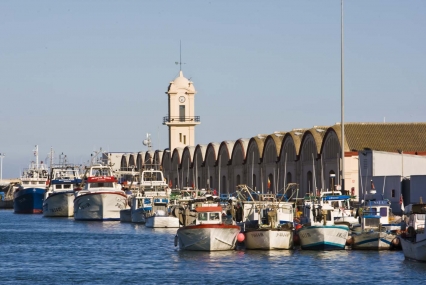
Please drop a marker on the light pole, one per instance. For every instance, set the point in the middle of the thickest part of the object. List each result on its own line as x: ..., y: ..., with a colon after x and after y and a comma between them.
x: 170, y: 166
x: 332, y: 176
x: 1, y: 166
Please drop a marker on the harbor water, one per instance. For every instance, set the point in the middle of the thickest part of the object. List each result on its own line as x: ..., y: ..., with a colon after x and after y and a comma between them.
x: 39, y: 250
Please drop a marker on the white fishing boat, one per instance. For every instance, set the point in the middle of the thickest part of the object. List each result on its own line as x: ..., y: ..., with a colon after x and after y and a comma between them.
x: 208, y: 233
x: 160, y: 215
x: 373, y: 236
x: 59, y: 197
x: 267, y: 223
x: 102, y: 198
x: 318, y: 231
x: 343, y: 212
x: 381, y: 208
x: 152, y: 184
x: 413, y: 242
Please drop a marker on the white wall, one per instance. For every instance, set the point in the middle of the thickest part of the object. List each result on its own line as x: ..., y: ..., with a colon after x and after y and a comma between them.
x: 386, y: 164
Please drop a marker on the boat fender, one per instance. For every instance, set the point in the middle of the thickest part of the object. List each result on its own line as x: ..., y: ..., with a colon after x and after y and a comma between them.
x: 176, y: 240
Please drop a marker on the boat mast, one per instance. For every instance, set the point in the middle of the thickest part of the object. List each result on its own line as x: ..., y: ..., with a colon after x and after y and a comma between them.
x: 342, y: 124
x: 36, y: 155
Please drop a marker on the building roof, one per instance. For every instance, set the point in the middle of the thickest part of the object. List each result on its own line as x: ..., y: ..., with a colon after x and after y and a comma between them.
x: 389, y: 137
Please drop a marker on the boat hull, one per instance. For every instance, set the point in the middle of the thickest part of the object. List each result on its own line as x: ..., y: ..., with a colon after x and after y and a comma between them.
x: 28, y: 201
x: 208, y: 237
x: 126, y: 216
x: 414, y: 250
x: 59, y: 204
x: 269, y: 239
x: 138, y: 216
x: 6, y: 204
x: 101, y: 206
x: 162, y: 222
x: 323, y: 237
x: 374, y: 240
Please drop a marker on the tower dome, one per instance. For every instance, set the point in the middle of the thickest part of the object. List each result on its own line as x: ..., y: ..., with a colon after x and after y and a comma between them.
x: 181, y: 82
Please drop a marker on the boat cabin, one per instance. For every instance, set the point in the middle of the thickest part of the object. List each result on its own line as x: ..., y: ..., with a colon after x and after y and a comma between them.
x: 208, y: 215
x: 265, y: 212
x: 317, y: 214
x: 416, y: 216
x: 379, y: 208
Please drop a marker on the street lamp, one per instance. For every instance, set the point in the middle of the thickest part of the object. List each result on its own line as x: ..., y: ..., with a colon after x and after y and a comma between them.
x: 332, y: 176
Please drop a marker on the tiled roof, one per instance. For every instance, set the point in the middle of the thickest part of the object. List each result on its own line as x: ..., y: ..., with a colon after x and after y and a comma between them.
x: 389, y: 137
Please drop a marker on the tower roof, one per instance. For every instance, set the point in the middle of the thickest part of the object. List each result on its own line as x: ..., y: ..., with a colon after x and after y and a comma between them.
x: 180, y: 83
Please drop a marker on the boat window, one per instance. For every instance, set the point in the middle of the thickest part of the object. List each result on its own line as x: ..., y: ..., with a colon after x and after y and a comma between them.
x: 67, y: 186
x: 214, y: 216
x: 384, y: 212
x: 372, y: 211
x: 202, y: 216
x: 421, y: 217
x: 101, y: 184
x: 372, y: 222
x: 58, y: 186
x: 26, y: 182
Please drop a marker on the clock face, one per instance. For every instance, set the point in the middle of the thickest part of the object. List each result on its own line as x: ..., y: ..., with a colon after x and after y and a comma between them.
x: 181, y: 99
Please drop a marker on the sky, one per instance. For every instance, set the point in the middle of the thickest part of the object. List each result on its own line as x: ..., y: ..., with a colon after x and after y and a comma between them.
x: 77, y: 76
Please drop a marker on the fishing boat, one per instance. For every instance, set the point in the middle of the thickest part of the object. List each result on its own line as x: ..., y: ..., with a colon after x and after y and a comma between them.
x: 59, y: 197
x: 29, y: 195
x: 208, y: 232
x: 413, y: 242
x: 152, y: 184
x: 343, y: 212
x: 381, y: 208
x: 373, y: 236
x: 160, y: 215
x: 101, y: 198
x: 267, y: 223
x: 318, y: 231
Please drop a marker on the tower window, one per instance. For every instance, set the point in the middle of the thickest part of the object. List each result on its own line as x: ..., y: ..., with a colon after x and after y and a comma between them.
x: 180, y: 137
x: 184, y: 139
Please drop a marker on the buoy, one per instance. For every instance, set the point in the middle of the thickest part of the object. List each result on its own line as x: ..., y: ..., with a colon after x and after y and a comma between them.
x: 240, y: 237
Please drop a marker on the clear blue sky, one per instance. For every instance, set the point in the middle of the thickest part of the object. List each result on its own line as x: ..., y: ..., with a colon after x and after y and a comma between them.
x: 80, y: 75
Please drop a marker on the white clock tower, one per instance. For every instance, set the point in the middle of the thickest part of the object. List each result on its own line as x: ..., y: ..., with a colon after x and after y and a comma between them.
x: 181, y: 119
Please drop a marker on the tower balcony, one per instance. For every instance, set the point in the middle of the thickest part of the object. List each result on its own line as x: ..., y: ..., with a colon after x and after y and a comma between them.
x: 180, y: 120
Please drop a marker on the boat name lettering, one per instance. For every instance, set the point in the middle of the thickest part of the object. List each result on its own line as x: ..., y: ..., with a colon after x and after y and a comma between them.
x: 120, y: 206
x: 84, y: 206
x: 57, y: 209
x: 305, y: 235
x: 342, y: 235
x: 283, y: 234
x: 257, y: 234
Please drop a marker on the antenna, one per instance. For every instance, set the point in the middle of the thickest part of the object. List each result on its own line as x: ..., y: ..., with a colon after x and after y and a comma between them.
x: 147, y: 141
x: 180, y: 57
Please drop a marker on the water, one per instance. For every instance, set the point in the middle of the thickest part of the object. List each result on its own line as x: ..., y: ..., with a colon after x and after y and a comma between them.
x: 38, y: 250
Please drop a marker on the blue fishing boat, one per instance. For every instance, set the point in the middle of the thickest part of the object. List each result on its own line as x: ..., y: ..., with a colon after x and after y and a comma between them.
x: 28, y: 197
